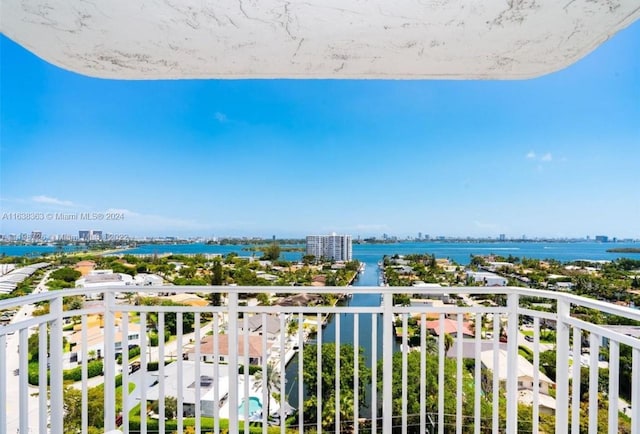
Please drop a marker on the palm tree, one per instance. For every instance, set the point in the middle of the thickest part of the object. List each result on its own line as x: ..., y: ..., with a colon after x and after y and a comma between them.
x: 448, y: 342
x: 272, y: 383
x: 346, y: 412
x: 431, y: 344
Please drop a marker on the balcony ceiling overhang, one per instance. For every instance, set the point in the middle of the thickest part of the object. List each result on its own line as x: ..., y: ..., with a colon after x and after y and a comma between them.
x: 422, y: 39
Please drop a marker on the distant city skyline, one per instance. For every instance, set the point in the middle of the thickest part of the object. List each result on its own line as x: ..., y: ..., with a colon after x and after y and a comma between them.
x: 554, y: 157
x: 84, y: 236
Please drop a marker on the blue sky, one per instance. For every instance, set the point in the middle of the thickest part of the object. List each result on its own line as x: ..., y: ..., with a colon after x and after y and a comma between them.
x: 556, y: 156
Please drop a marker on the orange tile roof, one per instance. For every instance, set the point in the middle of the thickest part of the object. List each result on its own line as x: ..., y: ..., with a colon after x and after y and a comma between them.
x: 450, y: 327
x: 255, y: 346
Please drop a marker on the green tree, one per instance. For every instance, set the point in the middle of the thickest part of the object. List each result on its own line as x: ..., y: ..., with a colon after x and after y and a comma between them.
x: 352, y: 265
x: 448, y: 342
x: 401, y: 299
x: 263, y: 299
x: 73, y: 303
x: 328, y: 376
x: 217, y: 279
x: 412, y: 387
x: 548, y: 363
x: 308, y: 259
x: 170, y: 407
x: 66, y: 274
x: 170, y: 318
x: 216, y: 273
x: 271, y: 253
x: 72, y: 404
x: 187, y: 272
x: 272, y: 381
x: 34, y: 346
x: 477, y: 261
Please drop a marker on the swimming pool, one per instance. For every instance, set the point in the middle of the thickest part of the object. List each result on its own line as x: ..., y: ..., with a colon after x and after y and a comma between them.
x: 254, y: 406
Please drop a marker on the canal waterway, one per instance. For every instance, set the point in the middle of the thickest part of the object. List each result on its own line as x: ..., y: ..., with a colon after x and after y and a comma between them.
x: 370, y: 277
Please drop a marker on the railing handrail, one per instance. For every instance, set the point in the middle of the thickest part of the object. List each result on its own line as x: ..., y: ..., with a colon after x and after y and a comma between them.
x: 471, y: 290
x: 385, y: 310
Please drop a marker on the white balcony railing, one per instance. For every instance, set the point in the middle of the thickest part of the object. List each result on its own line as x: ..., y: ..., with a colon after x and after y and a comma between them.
x: 210, y: 395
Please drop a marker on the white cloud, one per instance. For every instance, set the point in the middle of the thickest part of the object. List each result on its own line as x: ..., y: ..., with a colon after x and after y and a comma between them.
x: 52, y: 201
x: 545, y: 158
x: 221, y: 117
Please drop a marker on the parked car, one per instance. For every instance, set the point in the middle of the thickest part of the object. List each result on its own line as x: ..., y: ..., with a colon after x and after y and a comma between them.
x: 134, y: 367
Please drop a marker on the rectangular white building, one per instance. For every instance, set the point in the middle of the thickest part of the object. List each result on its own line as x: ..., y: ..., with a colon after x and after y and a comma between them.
x: 335, y: 247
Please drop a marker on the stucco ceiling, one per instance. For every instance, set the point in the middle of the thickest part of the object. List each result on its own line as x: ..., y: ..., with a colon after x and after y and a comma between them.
x: 458, y: 39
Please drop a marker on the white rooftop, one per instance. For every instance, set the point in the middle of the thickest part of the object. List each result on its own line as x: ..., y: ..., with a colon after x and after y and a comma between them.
x: 188, y: 391
x: 525, y: 368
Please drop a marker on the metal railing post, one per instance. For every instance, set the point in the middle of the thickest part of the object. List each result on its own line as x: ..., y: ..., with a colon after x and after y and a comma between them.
x: 109, y: 362
x: 562, y: 367
x: 635, y: 391
x: 233, y: 363
x: 3, y: 380
x: 512, y: 363
x: 23, y: 397
x: 42, y: 379
x: 57, y: 394
x: 387, y: 363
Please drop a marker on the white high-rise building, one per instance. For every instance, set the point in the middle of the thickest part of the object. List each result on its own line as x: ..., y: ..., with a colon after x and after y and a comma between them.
x: 336, y: 247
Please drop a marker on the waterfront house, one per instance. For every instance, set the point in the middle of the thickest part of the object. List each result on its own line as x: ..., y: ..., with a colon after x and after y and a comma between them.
x: 255, y: 326
x: 254, y: 357
x: 405, y: 270
x: 450, y: 328
x: 525, y: 379
x: 208, y: 383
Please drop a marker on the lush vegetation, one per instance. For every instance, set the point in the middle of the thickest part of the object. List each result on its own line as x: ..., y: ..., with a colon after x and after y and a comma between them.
x: 328, y: 386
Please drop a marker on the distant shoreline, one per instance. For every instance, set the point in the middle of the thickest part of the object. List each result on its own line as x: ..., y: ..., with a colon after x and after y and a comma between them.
x: 624, y: 250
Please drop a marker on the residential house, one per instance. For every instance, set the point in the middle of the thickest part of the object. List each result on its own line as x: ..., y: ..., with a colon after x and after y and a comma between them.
x: 525, y: 379
x: 188, y: 299
x: 255, y: 326
x: 488, y: 279
x: 450, y: 328
x: 187, y: 372
x: 254, y: 357
x: 95, y: 341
